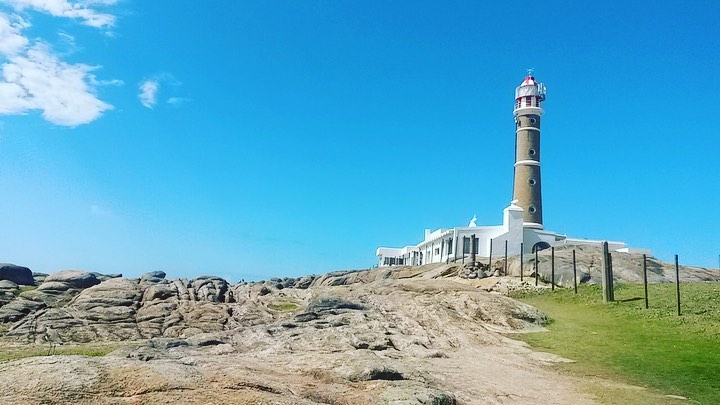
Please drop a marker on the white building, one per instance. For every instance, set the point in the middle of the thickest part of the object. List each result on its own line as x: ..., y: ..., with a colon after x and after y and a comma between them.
x: 522, y: 220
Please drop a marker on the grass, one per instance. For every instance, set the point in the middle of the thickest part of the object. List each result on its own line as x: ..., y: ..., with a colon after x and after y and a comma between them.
x: 624, y: 341
x: 10, y: 353
x: 24, y: 288
x: 283, y: 306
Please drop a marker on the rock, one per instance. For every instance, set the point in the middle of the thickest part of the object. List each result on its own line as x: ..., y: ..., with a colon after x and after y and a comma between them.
x: 8, y: 285
x: 279, y: 286
x: 74, y: 278
x: 330, y: 303
x: 304, y: 282
x: 306, y: 317
x: 377, y: 373
x: 17, y: 274
x: 17, y: 309
x: 39, y: 277
x: 53, y: 287
x: 153, y: 276
x: 105, y: 277
x: 210, y: 288
x: 264, y: 291
x: 472, y: 275
x: 168, y: 343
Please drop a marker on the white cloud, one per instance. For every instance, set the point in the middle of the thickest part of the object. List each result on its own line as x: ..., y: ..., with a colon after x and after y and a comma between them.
x: 148, y: 92
x: 11, y: 39
x: 177, y: 101
x: 82, y: 10
x: 38, y: 80
x: 33, y: 78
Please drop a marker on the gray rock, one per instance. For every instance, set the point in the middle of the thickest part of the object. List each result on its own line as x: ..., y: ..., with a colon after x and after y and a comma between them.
x: 53, y: 287
x: 74, y: 278
x: 105, y: 277
x: 377, y: 373
x: 330, y: 303
x: 153, y: 275
x: 16, y: 274
x: 7, y: 285
x: 17, y: 309
x: 264, y: 291
x: 168, y: 343
x: 304, y: 282
x: 39, y: 277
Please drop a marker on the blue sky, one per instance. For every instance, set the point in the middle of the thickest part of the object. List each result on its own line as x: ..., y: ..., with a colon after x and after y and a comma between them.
x: 251, y: 139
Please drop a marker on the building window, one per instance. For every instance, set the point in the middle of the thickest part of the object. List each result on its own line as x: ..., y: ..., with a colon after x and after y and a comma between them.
x: 466, y: 245
x: 533, y: 120
x: 531, y: 182
x: 532, y: 152
x: 437, y: 251
x: 527, y: 101
x: 450, y: 245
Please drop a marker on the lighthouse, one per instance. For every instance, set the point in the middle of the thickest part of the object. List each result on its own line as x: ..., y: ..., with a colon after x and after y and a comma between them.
x: 528, y: 110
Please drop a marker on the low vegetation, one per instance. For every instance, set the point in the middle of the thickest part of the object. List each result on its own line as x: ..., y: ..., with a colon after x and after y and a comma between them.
x: 9, y: 353
x: 655, y: 348
x: 24, y: 288
x: 283, y: 306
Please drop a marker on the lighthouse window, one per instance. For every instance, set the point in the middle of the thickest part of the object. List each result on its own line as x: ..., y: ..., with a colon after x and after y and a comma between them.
x: 532, y: 182
x: 532, y: 152
x: 533, y: 120
x: 527, y: 102
x: 532, y: 209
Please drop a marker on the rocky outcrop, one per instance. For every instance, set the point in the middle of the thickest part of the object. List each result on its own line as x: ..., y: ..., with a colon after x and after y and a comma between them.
x: 390, y: 335
x: 16, y: 274
x: 73, y: 278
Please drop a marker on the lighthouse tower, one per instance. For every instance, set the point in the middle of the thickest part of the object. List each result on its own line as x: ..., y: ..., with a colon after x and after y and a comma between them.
x: 526, y: 189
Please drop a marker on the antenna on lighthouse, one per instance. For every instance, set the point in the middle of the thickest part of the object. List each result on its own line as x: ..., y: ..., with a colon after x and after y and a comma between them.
x: 531, y: 71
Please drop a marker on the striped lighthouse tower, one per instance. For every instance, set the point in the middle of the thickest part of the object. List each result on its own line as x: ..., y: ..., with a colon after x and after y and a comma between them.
x: 526, y: 189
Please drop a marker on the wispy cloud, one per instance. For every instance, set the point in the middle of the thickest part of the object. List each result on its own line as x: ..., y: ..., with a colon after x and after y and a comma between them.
x: 81, y: 10
x: 34, y: 78
x: 148, y: 92
x: 97, y: 211
x: 177, y: 101
x: 38, y: 80
x: 11, y: 39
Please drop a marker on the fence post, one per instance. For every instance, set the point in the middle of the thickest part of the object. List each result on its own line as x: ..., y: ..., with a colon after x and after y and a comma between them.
x: 472, y: 249
x: 574, y: 271
x: 490, y: 258
x: 645, y: 280
x: 552, y: 267
x: 607, y: 281
x: 522, y: 246
x: 506, y: 257
x: 677, y: 283
x: 536, y: 267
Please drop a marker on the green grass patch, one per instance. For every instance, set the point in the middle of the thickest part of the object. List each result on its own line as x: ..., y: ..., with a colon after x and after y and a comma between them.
x: 10, y: 353
x: 624, y: 341
x: 24, y: 288
x: 283, y: 306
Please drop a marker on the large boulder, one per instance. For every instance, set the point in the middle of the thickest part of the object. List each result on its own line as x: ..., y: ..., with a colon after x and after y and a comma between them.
x: 153, y: 276
x: 16, y: 274
x: 74, y: 278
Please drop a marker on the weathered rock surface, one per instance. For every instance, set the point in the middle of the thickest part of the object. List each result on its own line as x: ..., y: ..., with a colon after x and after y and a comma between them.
x: 74, y: 278
x: 16, y: 274
x: 389, y: 335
